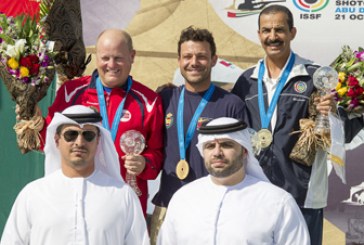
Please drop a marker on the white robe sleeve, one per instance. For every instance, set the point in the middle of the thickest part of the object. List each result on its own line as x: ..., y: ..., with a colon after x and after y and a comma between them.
x: 167, y: 233
x: 291, y: 227
x: 18, y: 225
x: 136, y: 225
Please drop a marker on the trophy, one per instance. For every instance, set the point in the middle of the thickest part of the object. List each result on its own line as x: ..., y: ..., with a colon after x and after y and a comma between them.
x: 132, y: 142
x: 325, y: 79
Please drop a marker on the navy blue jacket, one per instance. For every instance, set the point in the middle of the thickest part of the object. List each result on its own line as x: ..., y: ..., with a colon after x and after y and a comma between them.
x: 308, y: 185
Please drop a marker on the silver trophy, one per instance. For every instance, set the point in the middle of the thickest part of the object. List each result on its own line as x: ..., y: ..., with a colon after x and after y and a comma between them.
x: 132, y: 142
x: 325, y: 80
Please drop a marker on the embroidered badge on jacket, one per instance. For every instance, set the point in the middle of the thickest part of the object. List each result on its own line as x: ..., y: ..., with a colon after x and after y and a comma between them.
x: 126, y: 116
x: 300, y: 87
x: 169, y: 120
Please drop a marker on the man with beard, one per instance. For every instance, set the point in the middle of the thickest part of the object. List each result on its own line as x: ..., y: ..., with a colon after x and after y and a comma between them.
x: 82, y: 199
x: 277, y: 94
x: 185, y: 108
x: 235, y: 203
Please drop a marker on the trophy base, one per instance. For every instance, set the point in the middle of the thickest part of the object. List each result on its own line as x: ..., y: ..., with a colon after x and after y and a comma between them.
x: 322, y: 131
x: 322, y: 125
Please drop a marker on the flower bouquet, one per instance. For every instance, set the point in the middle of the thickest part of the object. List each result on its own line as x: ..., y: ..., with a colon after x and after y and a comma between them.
x: 349, y: 92
x: 26, y: 68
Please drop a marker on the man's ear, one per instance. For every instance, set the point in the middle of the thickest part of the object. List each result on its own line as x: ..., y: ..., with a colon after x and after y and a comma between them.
x: 293, y: 32
x: 56, y: 139
x: 214, y: 60
x: 244, y: 153
x: 132, y: 55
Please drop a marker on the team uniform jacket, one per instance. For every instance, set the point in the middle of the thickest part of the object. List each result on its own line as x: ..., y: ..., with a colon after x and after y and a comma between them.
x: 221, y: 104
x: 308, y: 185
x: 142, y: 112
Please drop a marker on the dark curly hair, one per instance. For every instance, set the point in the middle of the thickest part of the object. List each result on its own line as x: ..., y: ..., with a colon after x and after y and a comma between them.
x: 192, y: 33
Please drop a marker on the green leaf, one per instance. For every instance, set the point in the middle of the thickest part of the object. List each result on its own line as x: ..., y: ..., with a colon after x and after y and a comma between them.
x: 45, y: 6
x: 7, y: 39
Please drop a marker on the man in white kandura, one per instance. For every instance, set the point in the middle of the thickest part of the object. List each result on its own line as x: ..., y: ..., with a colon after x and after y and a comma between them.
x: 82, y: 198
x: 235, y: 203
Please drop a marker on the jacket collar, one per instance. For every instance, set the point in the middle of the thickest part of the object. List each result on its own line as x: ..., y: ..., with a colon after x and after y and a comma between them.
x: 299, y: 68
x: 94, y: 76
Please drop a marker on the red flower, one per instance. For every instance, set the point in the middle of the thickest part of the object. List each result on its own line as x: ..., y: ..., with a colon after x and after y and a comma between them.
x: 25, y: 61
x: 360, y: 90
x: 352, y: 81
x: 34, y: 58
x: 29, y: 60
x: 355, y: 91
x: 34, y: 70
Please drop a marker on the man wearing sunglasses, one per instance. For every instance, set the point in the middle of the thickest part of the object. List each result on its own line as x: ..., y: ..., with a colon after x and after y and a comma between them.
x: 82, y: 199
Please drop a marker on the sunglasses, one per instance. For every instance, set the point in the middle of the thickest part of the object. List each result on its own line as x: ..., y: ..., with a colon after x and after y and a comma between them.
x: 72, y: 135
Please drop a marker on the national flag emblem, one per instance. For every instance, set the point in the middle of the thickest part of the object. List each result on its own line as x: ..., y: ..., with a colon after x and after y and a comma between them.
x: 169, y: 120
x: 201, y: 120
x: 126, y: 116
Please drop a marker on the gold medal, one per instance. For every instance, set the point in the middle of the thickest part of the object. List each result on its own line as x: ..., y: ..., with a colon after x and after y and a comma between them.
x: 182, y: 169
x: 265, y: 138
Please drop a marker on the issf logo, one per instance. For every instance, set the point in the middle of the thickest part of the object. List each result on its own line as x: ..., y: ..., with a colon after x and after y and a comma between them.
x: 310, y: 6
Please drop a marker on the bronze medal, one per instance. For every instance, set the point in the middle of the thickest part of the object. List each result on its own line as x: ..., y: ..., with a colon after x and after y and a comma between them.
x: 265, y: 138
x: 182, y: 169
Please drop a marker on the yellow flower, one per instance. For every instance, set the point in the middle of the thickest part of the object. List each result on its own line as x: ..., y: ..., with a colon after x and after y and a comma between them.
x: 341, y: 92
x: 13, y: 64
x: 338, y: 86
x: 24, y: 72
x: 342, y: 76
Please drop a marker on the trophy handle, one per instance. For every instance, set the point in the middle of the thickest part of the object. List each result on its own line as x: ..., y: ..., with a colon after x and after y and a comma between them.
x: 131, y: 180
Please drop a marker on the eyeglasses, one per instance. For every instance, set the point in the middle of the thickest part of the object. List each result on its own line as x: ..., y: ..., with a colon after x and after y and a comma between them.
x: 72, y: 135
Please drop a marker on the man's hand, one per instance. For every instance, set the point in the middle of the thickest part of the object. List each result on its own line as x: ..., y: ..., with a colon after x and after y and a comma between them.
x: 325, y: 103
x: 134, y: 164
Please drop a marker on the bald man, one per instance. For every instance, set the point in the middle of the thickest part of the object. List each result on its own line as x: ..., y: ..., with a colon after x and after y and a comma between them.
x: 124, y: 104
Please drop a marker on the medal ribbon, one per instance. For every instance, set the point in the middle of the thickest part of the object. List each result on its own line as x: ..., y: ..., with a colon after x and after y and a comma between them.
x: 184, y: 143
x: 265, y: 118
x: 119, y: 112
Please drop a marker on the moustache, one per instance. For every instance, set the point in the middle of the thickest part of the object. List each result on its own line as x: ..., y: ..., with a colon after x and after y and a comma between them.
x: 273, y: 42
